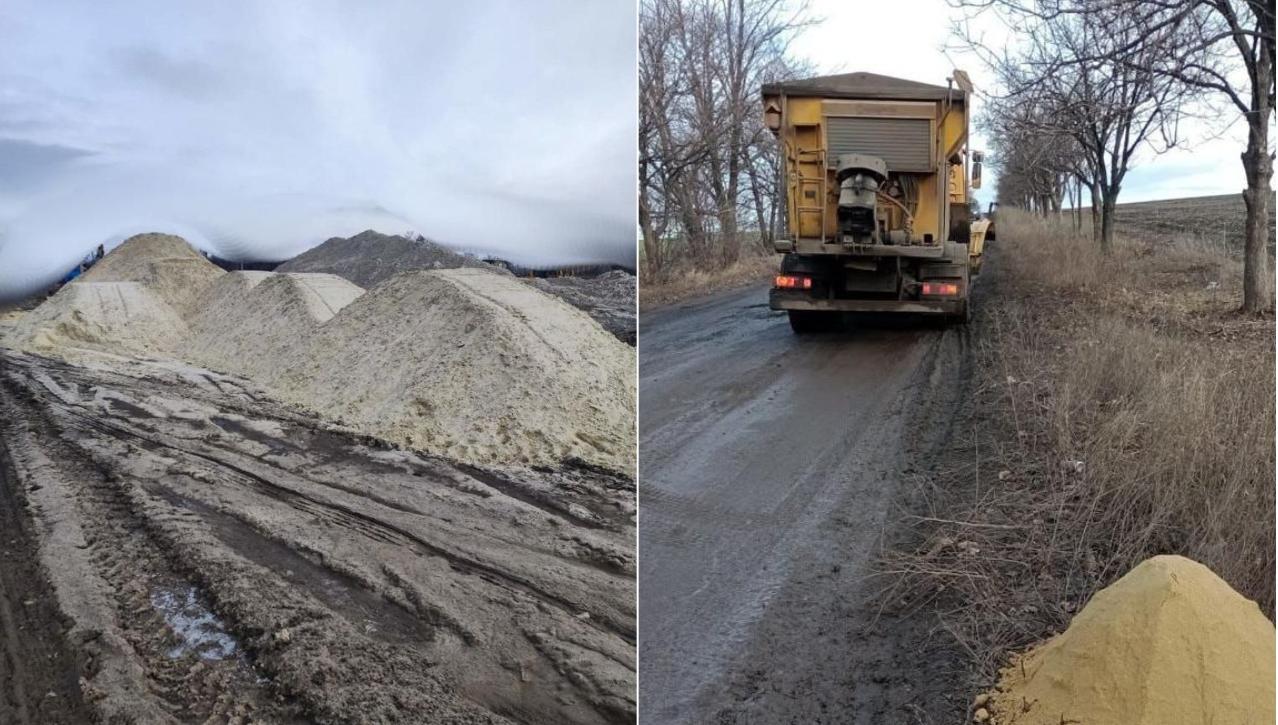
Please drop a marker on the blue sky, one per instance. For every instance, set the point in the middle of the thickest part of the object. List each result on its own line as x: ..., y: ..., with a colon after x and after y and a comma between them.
x: 257, y: 129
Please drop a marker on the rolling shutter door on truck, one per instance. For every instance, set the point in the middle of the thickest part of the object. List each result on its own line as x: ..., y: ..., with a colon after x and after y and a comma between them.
x: 905, y: 144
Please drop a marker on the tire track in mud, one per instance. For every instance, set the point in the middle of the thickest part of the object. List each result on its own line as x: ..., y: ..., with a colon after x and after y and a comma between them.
x: 365, y: 525
x: 37, y: 665
x: 145, y: 517
x: 133, y: 575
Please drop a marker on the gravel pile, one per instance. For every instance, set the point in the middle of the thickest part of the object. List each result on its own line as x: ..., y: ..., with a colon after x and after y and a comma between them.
x: 608, y: 298
x: 370, y: 258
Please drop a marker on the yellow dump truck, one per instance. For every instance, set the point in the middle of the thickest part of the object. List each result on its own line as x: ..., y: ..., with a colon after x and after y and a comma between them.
x: 876, y: 192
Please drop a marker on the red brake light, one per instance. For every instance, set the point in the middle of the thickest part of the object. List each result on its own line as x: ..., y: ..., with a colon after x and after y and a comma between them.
x: 793, y: 281
x: 941, y: 289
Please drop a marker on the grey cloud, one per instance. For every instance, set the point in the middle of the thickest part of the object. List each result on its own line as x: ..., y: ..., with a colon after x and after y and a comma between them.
x: 261, y: 128
x: 25, y: 165
x: 180, y: 76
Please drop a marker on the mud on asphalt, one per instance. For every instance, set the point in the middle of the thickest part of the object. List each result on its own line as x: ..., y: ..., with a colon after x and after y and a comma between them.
x: 896, y: 664
x: 873, y: 657
x: 177, y: 547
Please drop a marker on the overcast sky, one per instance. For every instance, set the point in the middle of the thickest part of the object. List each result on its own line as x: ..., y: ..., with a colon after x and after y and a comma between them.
x: 911, y: 39
x: 257, y: 129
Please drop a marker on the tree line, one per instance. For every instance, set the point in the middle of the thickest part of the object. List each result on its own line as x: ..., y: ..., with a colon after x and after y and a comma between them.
x: 707, y: 165
x: 1086, y: 84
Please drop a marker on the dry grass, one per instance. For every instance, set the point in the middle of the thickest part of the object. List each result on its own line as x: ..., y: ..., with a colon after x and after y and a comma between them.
x: 1121, y: 409
x: 686, y: 280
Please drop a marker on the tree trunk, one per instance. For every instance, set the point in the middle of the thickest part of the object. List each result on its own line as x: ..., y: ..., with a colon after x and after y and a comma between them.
x: 1259, y: 165
x: 651, y: 251
x: 1108, y: 202
x: 1096, y: 212
x: 760, y: 209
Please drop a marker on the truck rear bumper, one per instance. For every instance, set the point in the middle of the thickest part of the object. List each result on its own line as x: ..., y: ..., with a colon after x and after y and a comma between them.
x: 786, y: 300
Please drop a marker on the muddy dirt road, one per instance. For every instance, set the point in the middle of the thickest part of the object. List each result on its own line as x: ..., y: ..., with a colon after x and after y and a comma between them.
x: 177, y: 547
x: 768, y: 465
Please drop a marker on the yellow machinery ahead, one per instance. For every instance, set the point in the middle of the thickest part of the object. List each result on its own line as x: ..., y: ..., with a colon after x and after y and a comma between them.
x: 875, y: 188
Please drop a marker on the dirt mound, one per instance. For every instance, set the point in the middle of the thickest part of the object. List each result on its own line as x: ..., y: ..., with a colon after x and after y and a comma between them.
x: 1170, y: 642
x: 255, y: 323
x: 109, y: 316
x: 370, y: 258
x: 609, y: 299
x: 168, y: 266
x: 468, y: 364
x: 475, y: 366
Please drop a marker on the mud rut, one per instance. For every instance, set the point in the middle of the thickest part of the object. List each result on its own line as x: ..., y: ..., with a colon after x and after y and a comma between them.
x: 193, y: 550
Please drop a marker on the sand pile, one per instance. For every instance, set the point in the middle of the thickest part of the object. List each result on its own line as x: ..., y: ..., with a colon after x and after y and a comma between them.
x: 1168, y: 643
x: 133, y: 301
x: 465, y: 363
x: 110, y: 316
x: 166, y: 265
x: 255, y: 324
x: 608, y: 298
x: 475, y: 366
x: 370, y: 258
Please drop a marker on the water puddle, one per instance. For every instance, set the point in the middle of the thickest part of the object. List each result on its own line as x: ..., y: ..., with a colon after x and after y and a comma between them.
x: 372, y: 614
x: 199, y: 631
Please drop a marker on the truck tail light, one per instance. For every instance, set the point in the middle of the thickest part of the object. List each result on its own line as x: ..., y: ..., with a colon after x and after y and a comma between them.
x: 793, y: 281
x: 940, y: 289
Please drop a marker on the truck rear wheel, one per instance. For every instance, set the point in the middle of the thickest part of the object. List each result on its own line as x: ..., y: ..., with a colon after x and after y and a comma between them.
x: 805, y: 322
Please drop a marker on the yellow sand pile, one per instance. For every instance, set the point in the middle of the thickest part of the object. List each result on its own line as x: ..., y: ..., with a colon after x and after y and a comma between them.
x: 1169, y: 643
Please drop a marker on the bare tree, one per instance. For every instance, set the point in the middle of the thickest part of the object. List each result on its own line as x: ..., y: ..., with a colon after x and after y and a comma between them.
x: 1090, y: 75
x: 1228, y: 51
x: 1220, y: 47
x: 707, y: 166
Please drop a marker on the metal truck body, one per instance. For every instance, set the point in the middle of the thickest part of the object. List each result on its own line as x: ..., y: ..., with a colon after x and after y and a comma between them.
x: 875, y: 189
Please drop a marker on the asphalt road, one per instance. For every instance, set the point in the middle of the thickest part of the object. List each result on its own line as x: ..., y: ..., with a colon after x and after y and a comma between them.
x: 768, y: 464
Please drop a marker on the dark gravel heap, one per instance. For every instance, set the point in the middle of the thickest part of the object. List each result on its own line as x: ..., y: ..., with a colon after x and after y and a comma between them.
x: 369, y: 258
x: 608, y: 298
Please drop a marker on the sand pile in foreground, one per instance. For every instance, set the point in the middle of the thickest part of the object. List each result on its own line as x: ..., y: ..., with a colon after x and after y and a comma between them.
x: 1168, y: 643
x: 255, y: 324
x: 475, y: 366
x: 110, y: 316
